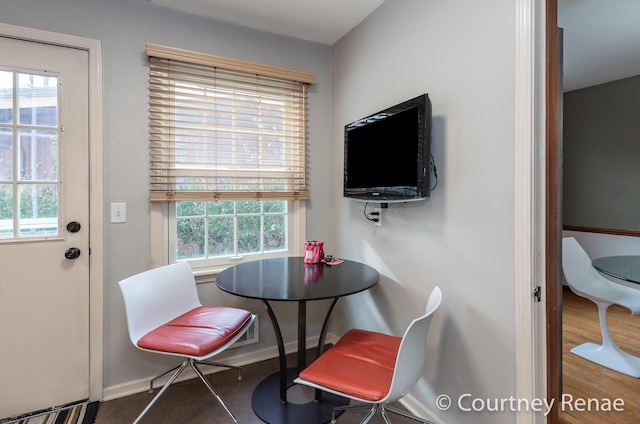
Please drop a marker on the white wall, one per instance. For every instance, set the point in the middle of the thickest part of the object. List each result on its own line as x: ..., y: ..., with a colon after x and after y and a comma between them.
x: 462, y: 238
x: 123, y: 27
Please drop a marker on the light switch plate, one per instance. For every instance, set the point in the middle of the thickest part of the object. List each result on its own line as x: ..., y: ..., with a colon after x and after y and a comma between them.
x: 118, y: 213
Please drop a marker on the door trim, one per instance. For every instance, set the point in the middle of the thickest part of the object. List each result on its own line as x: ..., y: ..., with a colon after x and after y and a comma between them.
x: 529, y: 211
x: 96, y: 232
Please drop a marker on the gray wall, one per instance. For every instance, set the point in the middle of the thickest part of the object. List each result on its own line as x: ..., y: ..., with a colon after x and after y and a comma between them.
x: 123, y: 27
x: 462, y: 238
x: 601, y: 187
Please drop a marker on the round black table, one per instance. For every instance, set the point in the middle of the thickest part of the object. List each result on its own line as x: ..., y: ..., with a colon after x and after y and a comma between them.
x: 623, y: 267
x: 290, y: 279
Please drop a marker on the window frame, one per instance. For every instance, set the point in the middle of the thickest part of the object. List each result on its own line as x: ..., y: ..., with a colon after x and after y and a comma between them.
x: 161, y: 244
x: 33, y: 131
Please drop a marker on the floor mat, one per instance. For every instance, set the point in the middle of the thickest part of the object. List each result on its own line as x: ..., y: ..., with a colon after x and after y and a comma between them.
x: 83, y: 413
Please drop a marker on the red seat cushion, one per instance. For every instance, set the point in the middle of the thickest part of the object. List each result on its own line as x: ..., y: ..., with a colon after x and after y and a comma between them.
x: 197, y: 332
x: 361, y: 364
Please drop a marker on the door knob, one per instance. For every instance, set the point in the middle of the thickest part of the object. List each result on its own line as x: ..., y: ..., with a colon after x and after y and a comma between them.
x: 72, y: 253
x: 73, y: 227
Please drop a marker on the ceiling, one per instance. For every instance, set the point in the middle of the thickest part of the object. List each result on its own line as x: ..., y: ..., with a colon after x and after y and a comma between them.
x: 601, y: 41
x: 601, y: 37
x: 320, y: 21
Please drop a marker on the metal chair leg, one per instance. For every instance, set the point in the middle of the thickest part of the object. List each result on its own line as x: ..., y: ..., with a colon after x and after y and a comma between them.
x: 370, y: 415
x: 219, y: 364
x: 213, y: 364
x: 165, y: 387
x: 372, y: 410
x: 180, y: 368
x: 161, y: 375
x: 211, y: 389
x: 402, y: 413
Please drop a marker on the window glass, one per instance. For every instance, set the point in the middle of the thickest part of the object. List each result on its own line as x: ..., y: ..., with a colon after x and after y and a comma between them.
x: 29, y: 160
x: 224, y: 230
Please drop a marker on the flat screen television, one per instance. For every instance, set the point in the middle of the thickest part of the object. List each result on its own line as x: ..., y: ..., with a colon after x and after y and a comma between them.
x: 387, y: 154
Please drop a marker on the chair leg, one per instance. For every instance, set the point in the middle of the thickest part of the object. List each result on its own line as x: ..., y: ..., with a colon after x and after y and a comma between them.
x: 372, y: 410
x: 608, y: 354
x: 213, y: 364
x: 384, y: 410
x: 161, y: 375
x: 219, y: 364
x: 194, y: 365
x: 165, y: 387
x: 370, y: 415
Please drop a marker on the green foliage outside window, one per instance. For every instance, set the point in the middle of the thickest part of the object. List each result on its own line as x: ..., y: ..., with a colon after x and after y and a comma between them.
x: 227, y: 228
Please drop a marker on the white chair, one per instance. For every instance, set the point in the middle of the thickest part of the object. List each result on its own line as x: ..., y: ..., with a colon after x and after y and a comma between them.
x: 585, y: 281
x: 374, y: 368
x: 165, y: 316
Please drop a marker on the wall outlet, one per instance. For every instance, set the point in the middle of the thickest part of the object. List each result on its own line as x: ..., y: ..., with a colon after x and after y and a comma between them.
x: 379, y: 216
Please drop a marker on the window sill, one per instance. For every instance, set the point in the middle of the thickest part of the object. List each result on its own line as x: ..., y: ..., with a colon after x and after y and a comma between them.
x: 207, y: 275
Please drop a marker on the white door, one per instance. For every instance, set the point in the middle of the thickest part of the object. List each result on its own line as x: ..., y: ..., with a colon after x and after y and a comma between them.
x: 44, y: 186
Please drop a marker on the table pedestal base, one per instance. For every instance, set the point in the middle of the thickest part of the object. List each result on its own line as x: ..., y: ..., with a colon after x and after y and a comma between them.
x: 268, y: 406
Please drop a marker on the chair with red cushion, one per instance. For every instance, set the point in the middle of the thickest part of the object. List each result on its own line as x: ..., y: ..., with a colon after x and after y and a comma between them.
x: 165, y: 316
x: 374, y: 368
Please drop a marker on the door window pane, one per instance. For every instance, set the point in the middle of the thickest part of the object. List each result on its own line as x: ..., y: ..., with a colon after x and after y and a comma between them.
x: 6, y: 154
x: 6, y: 97
x: 38, y: 155
x: 6, y: 210
x: 38, y: 99
x: 38, y: 209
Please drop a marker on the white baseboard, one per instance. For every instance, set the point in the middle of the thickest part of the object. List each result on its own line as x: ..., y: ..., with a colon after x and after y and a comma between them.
x: 142, y: 385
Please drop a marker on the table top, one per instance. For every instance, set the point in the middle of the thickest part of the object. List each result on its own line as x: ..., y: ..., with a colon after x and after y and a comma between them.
x: 291, y: 279
x: 622, y: 267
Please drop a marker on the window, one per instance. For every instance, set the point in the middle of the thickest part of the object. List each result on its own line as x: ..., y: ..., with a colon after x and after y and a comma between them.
x: 228, y: 155
x: 29, y: 162
x: 219, y: 230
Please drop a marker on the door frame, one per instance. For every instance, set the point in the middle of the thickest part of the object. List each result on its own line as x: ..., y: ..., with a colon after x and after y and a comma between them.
x: 96, y: 220
x: 530, y: 219
x: 553, y: 211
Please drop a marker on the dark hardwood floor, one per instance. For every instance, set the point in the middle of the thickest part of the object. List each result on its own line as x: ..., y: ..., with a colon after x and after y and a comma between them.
x: 189, y: 402
x: 586, y: 380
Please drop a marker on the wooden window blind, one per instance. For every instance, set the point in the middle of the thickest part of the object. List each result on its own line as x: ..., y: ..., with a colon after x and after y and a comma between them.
x: 221, y: 133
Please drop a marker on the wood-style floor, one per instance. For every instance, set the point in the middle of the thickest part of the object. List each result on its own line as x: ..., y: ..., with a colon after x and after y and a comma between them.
x: 583, y: 379
x: 190, y: 402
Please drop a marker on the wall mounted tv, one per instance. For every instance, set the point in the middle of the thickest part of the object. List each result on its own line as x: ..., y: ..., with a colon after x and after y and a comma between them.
x: 387, y: 154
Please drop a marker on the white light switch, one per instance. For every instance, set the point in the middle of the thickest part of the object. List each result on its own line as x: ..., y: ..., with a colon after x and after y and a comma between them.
x: 118, y: 213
